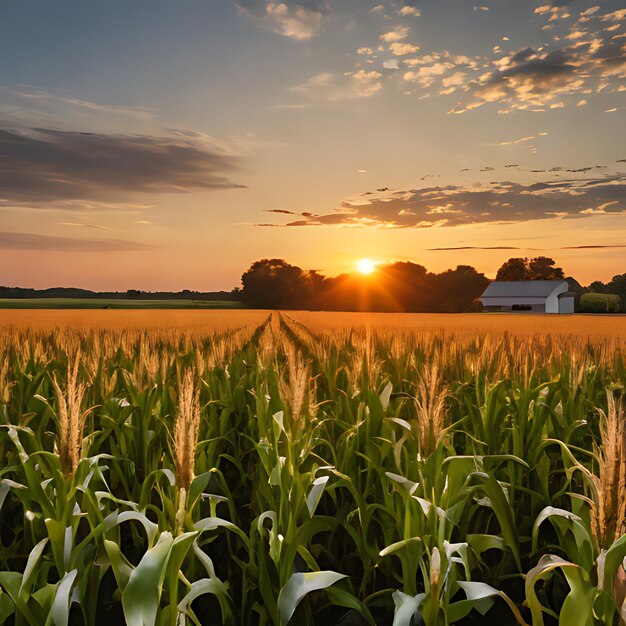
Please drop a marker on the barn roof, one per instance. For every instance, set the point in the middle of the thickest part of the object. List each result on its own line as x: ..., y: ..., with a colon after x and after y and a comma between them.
x: 521, y: 288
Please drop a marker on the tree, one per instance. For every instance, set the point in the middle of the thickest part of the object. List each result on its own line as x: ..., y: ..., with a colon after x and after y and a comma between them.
x: 539, y: 268
x: 276, y: 284
x: 618, y: 287
x: 599, y: 303
x: 542, y: 268
x: 459, y: 288
x: 514, y: 269
x: 597, y: 286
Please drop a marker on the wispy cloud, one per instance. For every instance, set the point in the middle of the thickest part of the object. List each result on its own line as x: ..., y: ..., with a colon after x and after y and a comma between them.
x: 593, y: 247
x: 27, y: 95
x: 30, y: 241
x: 583, y: 247
x: 472, y: 248
x: 82, y: 225
x: 332, y: 87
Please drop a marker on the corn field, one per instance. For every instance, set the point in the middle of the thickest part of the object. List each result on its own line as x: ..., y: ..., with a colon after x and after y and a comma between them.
x: 274, y: 473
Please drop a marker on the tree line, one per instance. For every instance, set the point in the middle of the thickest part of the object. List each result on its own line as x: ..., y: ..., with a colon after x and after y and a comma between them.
x: 400, y: 286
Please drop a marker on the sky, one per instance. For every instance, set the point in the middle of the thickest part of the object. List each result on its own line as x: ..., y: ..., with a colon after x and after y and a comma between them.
x: 169, y: 144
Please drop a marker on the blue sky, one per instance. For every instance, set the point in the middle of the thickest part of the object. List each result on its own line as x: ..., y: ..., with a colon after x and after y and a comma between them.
x: 162, y: 145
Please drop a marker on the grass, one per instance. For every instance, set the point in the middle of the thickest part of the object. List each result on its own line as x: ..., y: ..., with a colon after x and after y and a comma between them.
x: 101, y: 303
x: 190, y: 467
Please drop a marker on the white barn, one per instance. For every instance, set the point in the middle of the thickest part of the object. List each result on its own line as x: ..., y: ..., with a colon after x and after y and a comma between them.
x: 536, y: 296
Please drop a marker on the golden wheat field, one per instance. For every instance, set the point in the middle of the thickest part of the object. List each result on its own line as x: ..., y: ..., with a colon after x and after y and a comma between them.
x: 613, y: 326
x: 256, y: 468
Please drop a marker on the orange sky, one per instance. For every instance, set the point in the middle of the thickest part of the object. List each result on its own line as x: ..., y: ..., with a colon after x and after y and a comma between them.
x: 168, y: 146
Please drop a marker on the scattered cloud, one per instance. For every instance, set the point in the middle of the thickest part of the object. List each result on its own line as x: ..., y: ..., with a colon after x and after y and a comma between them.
x: 30, y: 241
x: 584, y: 60
x: 44, y: 167
x: 300, y: 20
x: 585, y: 54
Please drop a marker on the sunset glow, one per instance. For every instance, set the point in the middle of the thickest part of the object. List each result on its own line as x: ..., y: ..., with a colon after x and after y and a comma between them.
x: 440, y: 133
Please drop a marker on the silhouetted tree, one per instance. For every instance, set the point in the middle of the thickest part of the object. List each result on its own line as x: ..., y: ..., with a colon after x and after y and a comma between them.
x: 617, y: 286
x: 514, y: 269
x: 539, y: 268
x: 597, y: 286
x: 458, y: 289
x: 542, y: 268
x: 274, y: 283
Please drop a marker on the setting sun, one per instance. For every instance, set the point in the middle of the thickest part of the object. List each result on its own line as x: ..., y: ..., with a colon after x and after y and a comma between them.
x: 365, y: 266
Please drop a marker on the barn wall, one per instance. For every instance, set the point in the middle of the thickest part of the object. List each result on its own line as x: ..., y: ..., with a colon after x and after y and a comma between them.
x: 552, y: 301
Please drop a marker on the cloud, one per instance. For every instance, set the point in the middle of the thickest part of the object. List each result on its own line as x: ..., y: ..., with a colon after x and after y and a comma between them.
x: 82, y: 225
x: 331, y: 87
x: 592, y: 247
x: 515, y: 142
x: 472, y: 248
x: 426, y: 75
x: 402, y: 49
x: 494, y: 202
x: 586, y: 59
x: 397, y: 34
x: 30, y: 95
x: 584, y: 247
x: 300, y: 20
x: 29, y: 241
x: 43, y: 167
x: 367, y: 83
x: 444, y: 71
x: 409, y: 10
x: 585, y: 56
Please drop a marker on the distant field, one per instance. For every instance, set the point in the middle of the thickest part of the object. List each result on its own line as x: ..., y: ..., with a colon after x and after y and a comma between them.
x: 172, y: 317
x: 207, y: 320
x: 464, y: 324
x: 98, y: 303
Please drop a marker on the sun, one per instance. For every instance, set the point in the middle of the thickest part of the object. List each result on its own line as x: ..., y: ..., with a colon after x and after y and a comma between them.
x: 365, y: 266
